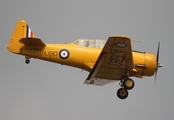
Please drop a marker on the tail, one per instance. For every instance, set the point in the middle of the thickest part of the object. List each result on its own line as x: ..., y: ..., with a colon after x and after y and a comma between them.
x: 22, y: 30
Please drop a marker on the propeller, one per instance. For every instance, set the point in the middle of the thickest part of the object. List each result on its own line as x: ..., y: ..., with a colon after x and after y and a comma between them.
x: 158, y: 65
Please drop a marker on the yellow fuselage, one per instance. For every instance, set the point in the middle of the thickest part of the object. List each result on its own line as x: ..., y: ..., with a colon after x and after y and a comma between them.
x: 85, y: 57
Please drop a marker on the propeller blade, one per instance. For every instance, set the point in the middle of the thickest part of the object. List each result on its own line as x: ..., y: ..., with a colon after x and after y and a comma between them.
x: 157, y: 58
x: 156, y: 75
x: 158, y: 53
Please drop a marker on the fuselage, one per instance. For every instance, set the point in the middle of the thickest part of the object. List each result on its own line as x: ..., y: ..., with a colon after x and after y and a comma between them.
x: 85, y: 57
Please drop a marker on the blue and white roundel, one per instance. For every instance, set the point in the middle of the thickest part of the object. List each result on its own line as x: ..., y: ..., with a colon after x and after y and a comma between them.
x: 64, y: 54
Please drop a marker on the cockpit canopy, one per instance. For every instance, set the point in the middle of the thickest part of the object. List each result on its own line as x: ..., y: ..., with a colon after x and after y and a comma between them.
x: 90, y: 43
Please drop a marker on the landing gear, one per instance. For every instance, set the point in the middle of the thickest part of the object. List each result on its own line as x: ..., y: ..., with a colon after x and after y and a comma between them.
x: 126, y: 84
x: 27, y: 61
x: 122, y: 93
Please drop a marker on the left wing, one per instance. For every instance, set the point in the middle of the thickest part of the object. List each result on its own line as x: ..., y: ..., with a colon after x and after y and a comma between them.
x: 113, y: 62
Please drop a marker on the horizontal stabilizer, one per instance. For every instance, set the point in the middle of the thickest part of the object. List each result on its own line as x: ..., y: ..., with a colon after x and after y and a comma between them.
x: 32, y: 42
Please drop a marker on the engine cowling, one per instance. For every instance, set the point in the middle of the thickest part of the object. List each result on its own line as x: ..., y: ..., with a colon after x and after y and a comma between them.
x: 145, y: 63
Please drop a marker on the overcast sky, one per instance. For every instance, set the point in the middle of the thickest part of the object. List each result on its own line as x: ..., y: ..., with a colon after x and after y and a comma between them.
x: 48, y: 91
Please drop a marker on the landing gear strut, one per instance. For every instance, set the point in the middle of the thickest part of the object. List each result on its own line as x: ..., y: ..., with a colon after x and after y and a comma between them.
x: 27, y: 61
x: 126, y: 84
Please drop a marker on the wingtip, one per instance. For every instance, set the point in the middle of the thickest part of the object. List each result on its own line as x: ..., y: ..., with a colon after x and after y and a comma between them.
x: 121, y: 36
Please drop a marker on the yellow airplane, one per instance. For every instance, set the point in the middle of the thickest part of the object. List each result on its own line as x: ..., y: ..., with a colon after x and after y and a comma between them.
x: 106, y: 61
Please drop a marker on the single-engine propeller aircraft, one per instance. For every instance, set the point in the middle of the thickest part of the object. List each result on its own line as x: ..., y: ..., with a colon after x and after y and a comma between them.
x: 106, y: 61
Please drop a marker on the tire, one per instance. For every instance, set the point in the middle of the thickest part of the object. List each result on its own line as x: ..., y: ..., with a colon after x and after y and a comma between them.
x: 122, y: 93
x: 128, y: 84
x: 27, y: 61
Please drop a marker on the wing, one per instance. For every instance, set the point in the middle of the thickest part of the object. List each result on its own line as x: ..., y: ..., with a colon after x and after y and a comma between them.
x: 32, y: 42
x: 113, y: 62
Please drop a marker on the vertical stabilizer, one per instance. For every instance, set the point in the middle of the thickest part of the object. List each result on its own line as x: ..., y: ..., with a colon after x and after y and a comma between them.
x: 22, y: 30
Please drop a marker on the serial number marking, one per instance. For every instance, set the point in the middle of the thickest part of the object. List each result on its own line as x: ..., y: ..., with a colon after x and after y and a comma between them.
x: 50, y: 53
x: 38, y: 49
x: 117, y: 58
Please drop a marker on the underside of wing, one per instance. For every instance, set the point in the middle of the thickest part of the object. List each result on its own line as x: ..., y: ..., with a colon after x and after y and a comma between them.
x: 32, y: 42
x: 113, y: 62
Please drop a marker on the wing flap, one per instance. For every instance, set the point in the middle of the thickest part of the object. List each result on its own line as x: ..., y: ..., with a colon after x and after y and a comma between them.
x: 32, y: 42
x: 113, y: 62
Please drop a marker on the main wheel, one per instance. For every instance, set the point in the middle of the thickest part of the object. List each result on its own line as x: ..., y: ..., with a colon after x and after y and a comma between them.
x: 27, y: 61
x: 122, y: 93
x: 128, y: 84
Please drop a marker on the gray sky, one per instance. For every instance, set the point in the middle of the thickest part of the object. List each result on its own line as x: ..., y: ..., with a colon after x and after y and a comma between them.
x: 44, y: 90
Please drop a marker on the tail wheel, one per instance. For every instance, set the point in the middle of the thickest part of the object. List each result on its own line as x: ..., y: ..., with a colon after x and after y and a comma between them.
x: 128, y: 84
x: 27, y: 61
x: 122, y: 93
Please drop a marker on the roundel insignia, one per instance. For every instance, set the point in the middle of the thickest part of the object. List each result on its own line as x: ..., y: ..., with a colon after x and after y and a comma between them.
x: 120, y: 44
x: 64, y: 54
